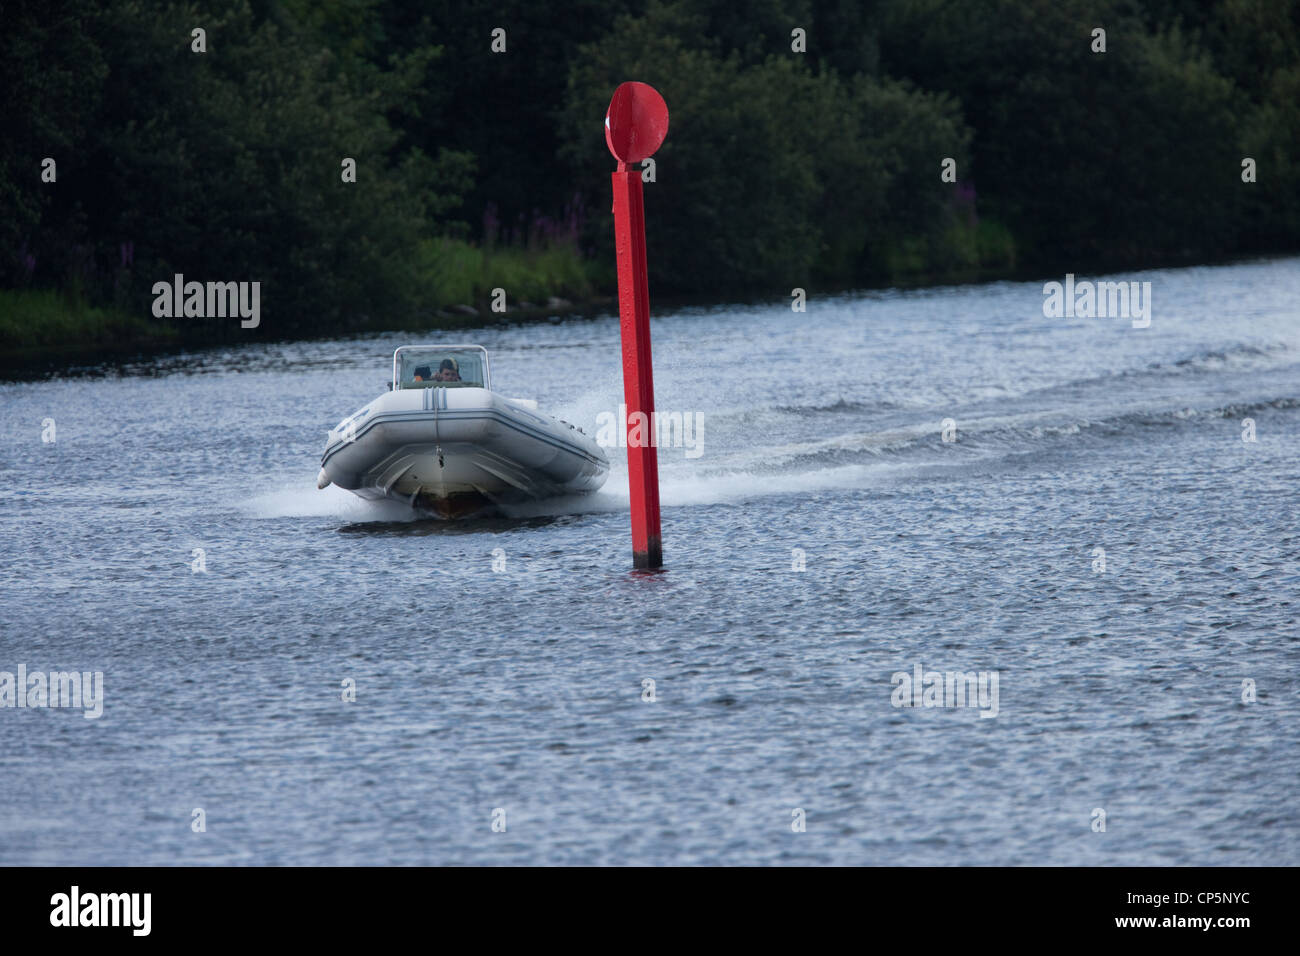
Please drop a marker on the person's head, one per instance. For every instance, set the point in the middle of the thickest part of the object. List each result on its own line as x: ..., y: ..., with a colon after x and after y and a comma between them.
x: 448, y: 371
x: 422, y: 373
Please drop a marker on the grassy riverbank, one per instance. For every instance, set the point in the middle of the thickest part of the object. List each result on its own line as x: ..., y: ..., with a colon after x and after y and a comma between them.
x: 459, y: 273
x: 458, y: 279
x: 58, y: 328
x: 458, y: 282
x: 41, y: 320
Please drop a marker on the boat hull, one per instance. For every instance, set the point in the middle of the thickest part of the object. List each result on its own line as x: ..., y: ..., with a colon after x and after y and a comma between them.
x: 456, y: 451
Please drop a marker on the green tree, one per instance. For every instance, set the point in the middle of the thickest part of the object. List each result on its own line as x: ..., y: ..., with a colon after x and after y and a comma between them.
x: 226, y: 165
x: 771, y: 174
x: 51, y: 72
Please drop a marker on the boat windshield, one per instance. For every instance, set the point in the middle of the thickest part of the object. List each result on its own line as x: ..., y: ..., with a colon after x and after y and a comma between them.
x: 432, y: 367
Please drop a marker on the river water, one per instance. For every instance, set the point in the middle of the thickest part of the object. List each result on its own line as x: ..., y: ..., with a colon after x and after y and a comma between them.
x: 171, y: 537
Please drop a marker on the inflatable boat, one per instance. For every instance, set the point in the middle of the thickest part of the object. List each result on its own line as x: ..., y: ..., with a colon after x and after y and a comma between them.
x: 441, y: 440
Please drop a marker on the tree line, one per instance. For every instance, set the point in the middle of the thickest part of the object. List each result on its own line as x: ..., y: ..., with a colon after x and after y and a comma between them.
x: 812, y: 142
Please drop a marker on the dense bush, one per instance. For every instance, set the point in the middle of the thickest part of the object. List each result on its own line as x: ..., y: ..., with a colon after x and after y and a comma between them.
x: 780, y: 169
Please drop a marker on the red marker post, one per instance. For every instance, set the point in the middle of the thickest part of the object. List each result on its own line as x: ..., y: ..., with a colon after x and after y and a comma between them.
x: 635, y: 125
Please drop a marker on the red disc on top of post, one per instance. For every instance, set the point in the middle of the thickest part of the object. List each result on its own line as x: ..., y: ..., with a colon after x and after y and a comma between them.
x: 636, y: 122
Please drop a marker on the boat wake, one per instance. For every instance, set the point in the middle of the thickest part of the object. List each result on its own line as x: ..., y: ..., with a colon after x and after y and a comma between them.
x: 790, y: 449
x: 305, y: 500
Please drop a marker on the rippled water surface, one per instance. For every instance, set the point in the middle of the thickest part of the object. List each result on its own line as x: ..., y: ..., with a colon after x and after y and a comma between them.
x: 522, y: 689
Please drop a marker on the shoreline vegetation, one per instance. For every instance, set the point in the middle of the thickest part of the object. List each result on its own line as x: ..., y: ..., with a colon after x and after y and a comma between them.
x: 42, y: 330
x: 539, y: 283
x: 378, y: 165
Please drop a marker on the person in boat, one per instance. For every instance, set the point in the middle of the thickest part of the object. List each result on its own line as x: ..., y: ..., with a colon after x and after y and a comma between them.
x: 448, y: 371
x: 422, y: 373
